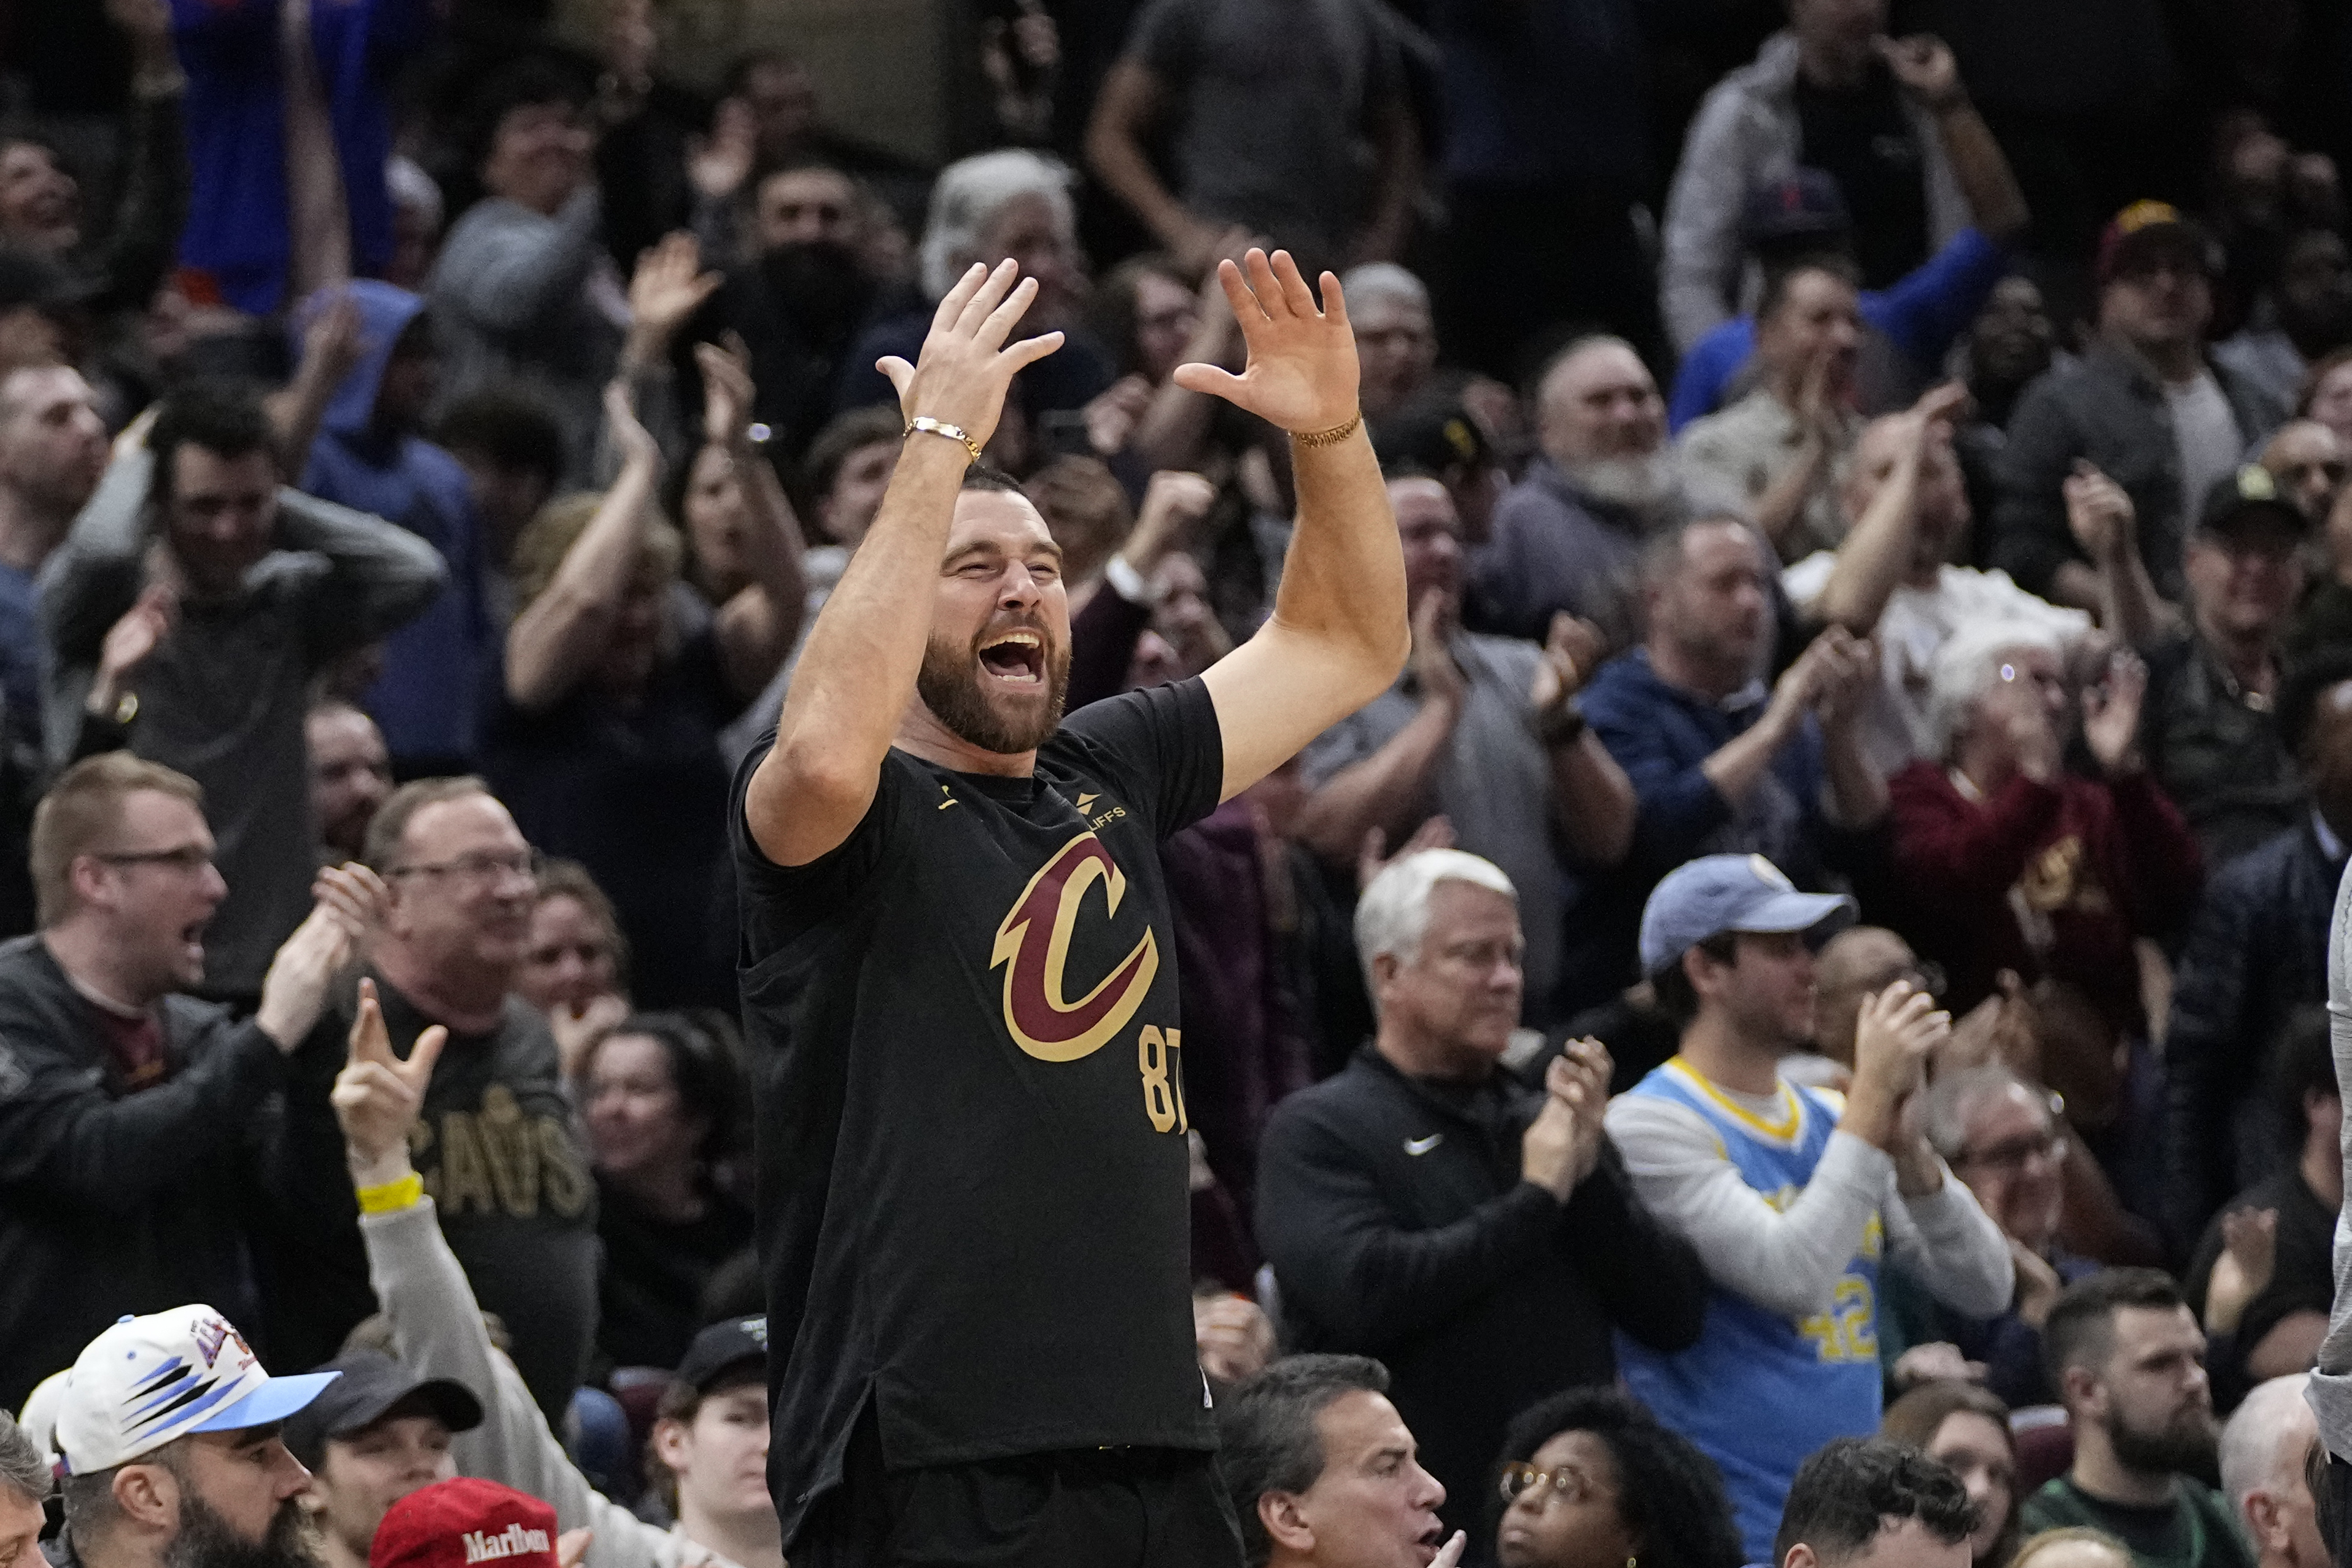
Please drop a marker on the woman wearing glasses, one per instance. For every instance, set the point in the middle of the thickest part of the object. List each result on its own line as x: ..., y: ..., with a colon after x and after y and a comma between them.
x: 1590, y: 1479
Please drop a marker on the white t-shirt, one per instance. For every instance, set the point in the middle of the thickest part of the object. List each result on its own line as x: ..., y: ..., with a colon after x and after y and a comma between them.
x: 2207, y: 434
x: 1913, y: 629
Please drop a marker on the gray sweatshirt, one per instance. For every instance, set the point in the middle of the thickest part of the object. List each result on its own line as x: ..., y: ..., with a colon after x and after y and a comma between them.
x: 223, y: 697
x: 436, y: 1332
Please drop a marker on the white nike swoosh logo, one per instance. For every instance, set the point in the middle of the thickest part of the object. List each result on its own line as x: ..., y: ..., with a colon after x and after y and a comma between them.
x: 1423, y: 1145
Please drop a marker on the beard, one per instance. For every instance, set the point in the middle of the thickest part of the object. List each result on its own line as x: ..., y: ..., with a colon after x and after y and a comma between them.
x: 2187, y: 1445
x: 1641, y: 485
x: 949, y: 684
x: 823, y: 286
x: 206, y: 1539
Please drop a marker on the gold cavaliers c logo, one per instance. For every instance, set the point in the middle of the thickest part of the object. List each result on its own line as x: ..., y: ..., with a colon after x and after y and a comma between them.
x: 1043, y: 1023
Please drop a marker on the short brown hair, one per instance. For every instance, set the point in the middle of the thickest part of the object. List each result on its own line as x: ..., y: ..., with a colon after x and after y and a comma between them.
x: 390, y: 825
x: 81, y: 810
x: 561, y: 879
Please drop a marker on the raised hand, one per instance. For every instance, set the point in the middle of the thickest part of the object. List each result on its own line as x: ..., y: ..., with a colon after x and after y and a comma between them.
x: 960, y: 376
x: 721, y: 162
x: 294, y: 991
x: 1893, y: 1037
x: 1579, y: 1077
x: 1172, y: 502
x: 1849, y: 672
x: 668, y: 287
x: 334, y: 342
x: 630, y: 438
x: 727, y: 389
x: 1372, y: 856
x: 377, y: 1096
x: 1572, y: 652
x: 1923, y: 65
x: 2111, y: 715
x: 1432, y: 664
x: 129, y: 642
x: 2099, y: 511
x: 1302, y: 370
x: 577, y: 1030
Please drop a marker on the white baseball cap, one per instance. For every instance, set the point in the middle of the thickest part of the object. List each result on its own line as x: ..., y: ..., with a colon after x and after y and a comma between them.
x: 150, y: 1381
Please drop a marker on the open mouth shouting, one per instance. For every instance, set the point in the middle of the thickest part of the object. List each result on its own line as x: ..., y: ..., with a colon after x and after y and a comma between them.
x: 1014, y: 658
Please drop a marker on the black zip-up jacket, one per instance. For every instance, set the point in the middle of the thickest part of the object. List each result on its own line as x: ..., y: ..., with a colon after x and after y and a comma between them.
x: 117, y: 1200
x: 1398, y: 1227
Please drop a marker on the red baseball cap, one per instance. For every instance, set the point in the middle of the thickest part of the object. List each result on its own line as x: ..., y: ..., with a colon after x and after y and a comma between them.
x: 464, y: 1523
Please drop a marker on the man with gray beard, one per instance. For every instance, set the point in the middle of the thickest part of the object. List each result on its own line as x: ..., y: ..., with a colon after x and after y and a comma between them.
x: 1568, y: 535
x: 168, y: 1438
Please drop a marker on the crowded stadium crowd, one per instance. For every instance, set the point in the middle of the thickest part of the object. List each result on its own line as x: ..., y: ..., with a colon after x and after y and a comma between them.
x: 1794, y: 1031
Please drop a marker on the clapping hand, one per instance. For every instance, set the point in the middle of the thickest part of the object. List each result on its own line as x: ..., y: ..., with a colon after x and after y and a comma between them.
x: 1372, y: 856
x: 1302, y: 370
x: 377, y: 1096
x: 2099, y: 511
x: 1924, y: 66
x: 727, y: 390
x: 1893, y: 1038
x: 294, y: 993
x: 2111, y: 715
x: 1572, y: 652
x: 668, y: 287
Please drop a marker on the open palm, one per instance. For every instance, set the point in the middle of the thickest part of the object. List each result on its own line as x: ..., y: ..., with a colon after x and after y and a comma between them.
x: 1302, y: 372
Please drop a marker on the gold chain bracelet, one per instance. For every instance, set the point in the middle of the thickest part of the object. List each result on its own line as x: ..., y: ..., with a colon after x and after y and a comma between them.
x: 1331, y: 438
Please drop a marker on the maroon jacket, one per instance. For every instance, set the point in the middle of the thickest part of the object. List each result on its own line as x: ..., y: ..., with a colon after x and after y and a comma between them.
x: 2086, y: 866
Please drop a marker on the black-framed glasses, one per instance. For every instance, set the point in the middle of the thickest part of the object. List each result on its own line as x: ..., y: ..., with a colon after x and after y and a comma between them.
x: 1564, y: 1485
x: 187, y: 857
x: 479, y: 866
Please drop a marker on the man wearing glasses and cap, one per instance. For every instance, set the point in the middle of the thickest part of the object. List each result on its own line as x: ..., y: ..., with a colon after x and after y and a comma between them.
x: 168, y: 1439
x: 1791, y: 1197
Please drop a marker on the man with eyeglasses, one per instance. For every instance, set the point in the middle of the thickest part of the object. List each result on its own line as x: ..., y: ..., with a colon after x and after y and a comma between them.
x: 2004, y: 1138
x: 127, y: 1106
x: 499, y: 1147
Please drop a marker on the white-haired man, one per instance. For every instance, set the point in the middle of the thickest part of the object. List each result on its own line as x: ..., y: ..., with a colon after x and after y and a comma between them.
x: 167, y: 1437
x: 1792, y: 1198
x: 1009, y: 204
x: 1480, y: 1235
x: 23, y: 1483
x: 2267, y: 1450
x: 1568, y: 535
x: 1396, y: 335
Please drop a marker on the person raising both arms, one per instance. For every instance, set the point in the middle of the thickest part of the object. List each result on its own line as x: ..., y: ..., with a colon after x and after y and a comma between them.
x: 959, y: 987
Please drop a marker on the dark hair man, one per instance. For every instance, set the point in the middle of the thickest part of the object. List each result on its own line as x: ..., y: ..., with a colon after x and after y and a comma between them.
x: 272, y: 587
x: 1875, y: 1504
x: 2128, y: 1358
x: 1793, y: 1200
x: 975, y: 1193
x: 1322, y: 1472
x: 373, y: 1436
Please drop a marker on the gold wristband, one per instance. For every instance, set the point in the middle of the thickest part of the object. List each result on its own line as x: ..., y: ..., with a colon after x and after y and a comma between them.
x: 930, y: 426
x: 393, y: 1196
x: 1331, y: 438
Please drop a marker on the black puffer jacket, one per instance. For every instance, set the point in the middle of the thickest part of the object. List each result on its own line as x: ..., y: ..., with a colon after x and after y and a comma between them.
x: 2256, y: 952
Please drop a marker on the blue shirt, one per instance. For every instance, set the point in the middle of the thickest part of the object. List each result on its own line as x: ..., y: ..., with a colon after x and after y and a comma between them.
x: 20, y: 660
x: 1760, y: 1392
x: 1923, y: 314
x: 1661, y: 735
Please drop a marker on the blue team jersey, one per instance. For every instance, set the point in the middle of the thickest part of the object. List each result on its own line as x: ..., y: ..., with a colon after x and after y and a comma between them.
x: 1760, y: 1392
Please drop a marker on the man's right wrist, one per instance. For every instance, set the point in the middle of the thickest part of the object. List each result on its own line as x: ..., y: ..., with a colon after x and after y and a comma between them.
x: 374, y: 1173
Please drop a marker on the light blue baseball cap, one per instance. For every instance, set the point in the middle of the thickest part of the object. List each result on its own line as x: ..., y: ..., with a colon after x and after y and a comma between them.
x: 1716, y: 893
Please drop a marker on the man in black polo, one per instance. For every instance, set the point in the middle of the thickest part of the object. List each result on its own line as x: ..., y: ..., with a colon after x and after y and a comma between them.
x: 958, y: 984
x: 1480, y: 1235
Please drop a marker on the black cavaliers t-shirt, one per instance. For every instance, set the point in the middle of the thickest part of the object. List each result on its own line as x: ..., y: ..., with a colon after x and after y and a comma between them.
x: 968, y: 1076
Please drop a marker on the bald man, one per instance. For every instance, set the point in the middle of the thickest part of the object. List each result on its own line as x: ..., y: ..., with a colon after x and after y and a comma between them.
x: 2264, y: 1450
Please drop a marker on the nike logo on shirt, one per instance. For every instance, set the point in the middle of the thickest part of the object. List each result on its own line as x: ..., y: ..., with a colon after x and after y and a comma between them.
x: 1423, y: 1145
